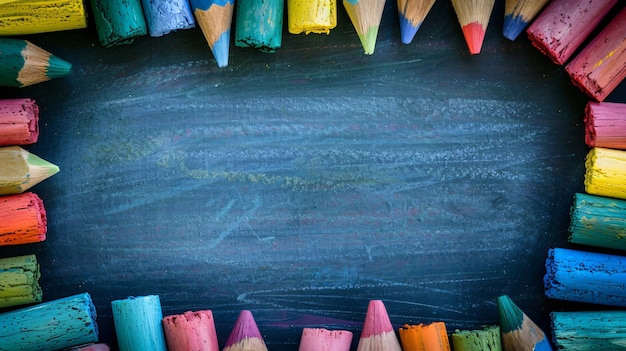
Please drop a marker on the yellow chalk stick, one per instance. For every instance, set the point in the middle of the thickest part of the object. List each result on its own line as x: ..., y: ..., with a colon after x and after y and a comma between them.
x: 606, y: 173
x: 41, y: 16
x: 317, y: 16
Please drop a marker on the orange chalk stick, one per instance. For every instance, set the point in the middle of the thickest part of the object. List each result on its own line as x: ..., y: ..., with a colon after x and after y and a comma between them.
x: 19, y: 122
x: 431, y: 337
x: 605, y: 125
x: 22, y: 219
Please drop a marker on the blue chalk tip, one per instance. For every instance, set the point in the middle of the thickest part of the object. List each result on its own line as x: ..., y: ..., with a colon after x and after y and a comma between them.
x: 407, y: 30
x: 543, y: 345
x: 220, y: 49
x: 513, y: 26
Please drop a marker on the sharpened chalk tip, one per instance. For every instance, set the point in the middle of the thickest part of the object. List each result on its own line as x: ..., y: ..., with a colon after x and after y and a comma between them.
x: 57, y: 67
x: 407, y: 30
x: 220, y: 49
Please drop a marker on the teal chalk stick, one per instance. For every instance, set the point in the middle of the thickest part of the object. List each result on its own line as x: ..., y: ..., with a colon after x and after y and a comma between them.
x: 589, y: 330
x: 598, y: 221
x: 53, y: 325
x: 259, y: 24
x: 138, y: 323
x: 118, y: 21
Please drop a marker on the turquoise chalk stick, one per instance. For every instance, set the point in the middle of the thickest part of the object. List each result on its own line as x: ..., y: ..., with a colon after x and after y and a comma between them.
x: 598, y: 221
x: 589, y: 330
x: 588, y: 277
x: 165, y: 16
x: 53, y: 325
x: 138, y: 323
x: 118, y: 21
x: 259, y: 24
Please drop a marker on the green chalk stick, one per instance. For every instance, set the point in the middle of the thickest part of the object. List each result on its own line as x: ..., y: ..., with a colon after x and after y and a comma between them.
x: 19, y: 281
x: 487, y: 338
x: 598, y: 221
x: 118, y: 21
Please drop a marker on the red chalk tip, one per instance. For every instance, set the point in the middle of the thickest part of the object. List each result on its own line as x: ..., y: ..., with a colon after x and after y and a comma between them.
x: 376, y: 320
x: 474, y: 36
x: 245, y: 335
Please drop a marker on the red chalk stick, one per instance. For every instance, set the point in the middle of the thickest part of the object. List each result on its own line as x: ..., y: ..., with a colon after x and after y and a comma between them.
x: 319, y: 339
x: 605, y: 125
x: 22, y: 219
x: 378, y: 333
x: 601, y: 66
x: 191, y: 331
x: 19, y: 122
x: 245, y: 335
x: 564, y: 24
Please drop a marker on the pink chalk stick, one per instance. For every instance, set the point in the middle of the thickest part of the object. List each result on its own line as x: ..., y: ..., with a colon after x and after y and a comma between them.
x: 245, y: 335
x: 378, y: 333
x: 19, y: 122
x: 191, y: 331
x: 605, y: 125
x: 601, y: 66
x: 319, y: 339
x: 565, y: 24
x: 92, y: 347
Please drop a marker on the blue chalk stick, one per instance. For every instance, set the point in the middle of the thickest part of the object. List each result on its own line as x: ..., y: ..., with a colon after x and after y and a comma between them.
x: 138, y: 323
x: 588, y: 277
x: 53, y: 325
x: 165, y: 16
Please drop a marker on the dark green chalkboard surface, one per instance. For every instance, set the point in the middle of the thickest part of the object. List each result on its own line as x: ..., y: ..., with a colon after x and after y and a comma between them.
x: 304, y: 183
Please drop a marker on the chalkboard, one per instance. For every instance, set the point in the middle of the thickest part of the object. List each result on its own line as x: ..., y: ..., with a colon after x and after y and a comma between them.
x: 302, y: 184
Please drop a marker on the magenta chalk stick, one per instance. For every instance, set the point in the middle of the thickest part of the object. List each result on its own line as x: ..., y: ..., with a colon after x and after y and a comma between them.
x: 319, y: 339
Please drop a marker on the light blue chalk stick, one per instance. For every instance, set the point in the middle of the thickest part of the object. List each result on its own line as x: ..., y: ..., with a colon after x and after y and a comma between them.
x: 53, y: 325
x: 165, y: 16
x: 589, y: 330
x: 138, y: 323
x: 589, y: 277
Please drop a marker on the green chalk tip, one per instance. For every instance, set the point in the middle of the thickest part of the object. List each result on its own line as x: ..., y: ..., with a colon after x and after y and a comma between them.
x: 511, y: 316
x: 58, y: 67
x: 369, y: 40
x: 42, y: 165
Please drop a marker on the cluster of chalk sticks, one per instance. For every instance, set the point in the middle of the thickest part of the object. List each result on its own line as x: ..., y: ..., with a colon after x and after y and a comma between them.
x: 70, y: 323
x: 597, y: 220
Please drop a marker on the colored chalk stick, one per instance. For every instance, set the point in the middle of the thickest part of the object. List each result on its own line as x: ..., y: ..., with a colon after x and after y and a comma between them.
x: 598, y: 221
x: 22, y: 64
x: 518, y: 14
x: 22, y: 170
x: 259, y: 24
x: 19, y: 122
x: 214, y: 18
x: 191, y: 331
x: 118, y: 21
x: 589, y: 330
x: 92, y: 347
x: 605, y: 125
x: 311, y: 16
x: 588, y: 277
x: 41, y: 16
x: 19, y: 281
x: 601, y: 66
x: 138, y: 323
x: 606, y: 172
x: 378, y: 334
x: 22, y: 219
x: 412, y: 13
x: 365, y: 16
x: 487, y: 338
x: 53, y: 325
x: 519, y: 333
x: 320, y: 339
x: 565, y: 24
x: 165, y: 16
x: 431, y: 337
x: 245, y: 335
x: 473, y: 17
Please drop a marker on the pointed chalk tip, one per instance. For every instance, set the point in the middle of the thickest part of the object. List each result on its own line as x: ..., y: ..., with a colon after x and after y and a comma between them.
x: 407, y: 30
x: 376, y: 320
x: 221, y: 49
x: 474, y: 34
x: 57, y: 67
x: 511, y: 316
x: 513, y: 26
x: 245, y: 328
x: 368, y: 40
